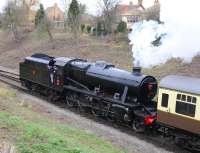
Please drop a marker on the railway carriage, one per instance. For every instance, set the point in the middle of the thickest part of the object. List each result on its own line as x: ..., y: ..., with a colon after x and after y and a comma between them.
x: 179, y: 106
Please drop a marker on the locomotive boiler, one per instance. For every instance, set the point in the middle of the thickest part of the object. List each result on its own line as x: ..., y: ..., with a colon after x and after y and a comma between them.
x: 127, y: 86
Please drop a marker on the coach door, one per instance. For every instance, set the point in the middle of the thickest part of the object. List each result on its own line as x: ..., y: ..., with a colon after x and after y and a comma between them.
x: 165, y: 99
x: 164, y: 96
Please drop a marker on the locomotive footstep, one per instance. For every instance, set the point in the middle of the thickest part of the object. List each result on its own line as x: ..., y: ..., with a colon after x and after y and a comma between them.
x: 95, y: 113
x: 138, y: 126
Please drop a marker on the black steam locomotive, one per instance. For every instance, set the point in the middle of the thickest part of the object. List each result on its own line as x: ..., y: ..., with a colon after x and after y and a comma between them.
x: 103, y: 89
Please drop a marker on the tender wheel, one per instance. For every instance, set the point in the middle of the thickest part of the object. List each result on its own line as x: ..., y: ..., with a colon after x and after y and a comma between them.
x: 28, y: 85
x: 95, y: 112
x: 138, y: 125
x: 50, y: 98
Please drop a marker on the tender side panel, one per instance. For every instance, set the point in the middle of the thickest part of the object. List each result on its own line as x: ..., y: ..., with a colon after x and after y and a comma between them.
x: 34, y: 72
x: 37, y: 72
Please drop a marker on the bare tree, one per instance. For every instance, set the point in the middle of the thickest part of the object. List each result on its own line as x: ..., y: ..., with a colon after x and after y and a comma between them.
x: 108, y: 12
x: 1, y: 16
x: 46, y: 27
x: 65, y: 4
x: 43, y: 24
x: 15, y: 16
x: 74, y: 19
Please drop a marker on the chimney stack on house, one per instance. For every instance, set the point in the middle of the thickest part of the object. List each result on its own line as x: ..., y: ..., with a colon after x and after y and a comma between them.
x: 130, y: 3
x: 156, y: 2
x: 140, y: 2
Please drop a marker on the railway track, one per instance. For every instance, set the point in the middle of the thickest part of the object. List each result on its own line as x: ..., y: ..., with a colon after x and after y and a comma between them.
x: 12, y: 79
x: 10, y: 76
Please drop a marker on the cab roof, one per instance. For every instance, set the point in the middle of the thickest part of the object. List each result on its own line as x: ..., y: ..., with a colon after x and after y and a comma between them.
x: 181, y: 83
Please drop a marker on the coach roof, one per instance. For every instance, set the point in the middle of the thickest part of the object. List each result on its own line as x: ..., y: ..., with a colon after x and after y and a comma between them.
x: 181, y: 83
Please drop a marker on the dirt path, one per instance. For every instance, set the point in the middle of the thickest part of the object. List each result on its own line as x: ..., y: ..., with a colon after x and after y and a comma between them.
x: 6, y: 147
x: 131, y: 143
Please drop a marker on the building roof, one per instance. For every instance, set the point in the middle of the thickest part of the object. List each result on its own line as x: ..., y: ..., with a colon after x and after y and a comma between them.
x: 55, y: 13
x: 54, y: 9
x: 55, y: 6
x: 124, y: 9
x: 181, y: 83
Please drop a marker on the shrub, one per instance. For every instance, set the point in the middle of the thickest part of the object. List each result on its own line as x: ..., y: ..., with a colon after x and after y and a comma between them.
x: 88, y: 29
x: 94, y: 30
x: 40, y: 15
x: 122, y: 27
x: 99, y: 28
x: 82, y: 27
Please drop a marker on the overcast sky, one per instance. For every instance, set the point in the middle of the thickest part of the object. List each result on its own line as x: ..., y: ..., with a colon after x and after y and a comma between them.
x: 91, y: 4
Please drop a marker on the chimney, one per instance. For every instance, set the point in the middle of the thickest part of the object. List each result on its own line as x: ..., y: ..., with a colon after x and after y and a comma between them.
x: 55, y: 5
x: 140, y: 2
x: 137, y: 70
x: 156, y: 2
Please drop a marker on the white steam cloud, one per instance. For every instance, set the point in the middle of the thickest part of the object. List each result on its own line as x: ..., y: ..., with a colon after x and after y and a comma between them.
x: 180, y: 34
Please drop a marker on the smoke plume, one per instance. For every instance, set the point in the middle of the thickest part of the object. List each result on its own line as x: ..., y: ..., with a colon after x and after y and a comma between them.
x: 177, y: 37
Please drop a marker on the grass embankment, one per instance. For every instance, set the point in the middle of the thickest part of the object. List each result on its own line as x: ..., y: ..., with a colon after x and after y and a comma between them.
x: 31, y: 132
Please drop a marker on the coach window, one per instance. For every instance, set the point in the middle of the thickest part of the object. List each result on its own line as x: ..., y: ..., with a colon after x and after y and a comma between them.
x: 165, y: 98
x: 183, y: 97
x: 194, y: 100
x: 178, y: 96
x: 189, y: 99
x: 186, y: 105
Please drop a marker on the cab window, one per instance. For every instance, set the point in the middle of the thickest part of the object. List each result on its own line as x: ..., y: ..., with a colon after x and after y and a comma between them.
x: 164, y: 101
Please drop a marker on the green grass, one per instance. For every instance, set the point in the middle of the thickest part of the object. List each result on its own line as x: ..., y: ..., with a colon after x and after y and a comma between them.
x: 40, y: 134
x: 4, y: 92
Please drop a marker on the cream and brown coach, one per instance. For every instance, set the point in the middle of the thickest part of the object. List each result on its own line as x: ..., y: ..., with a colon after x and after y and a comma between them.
x: 179, y: 103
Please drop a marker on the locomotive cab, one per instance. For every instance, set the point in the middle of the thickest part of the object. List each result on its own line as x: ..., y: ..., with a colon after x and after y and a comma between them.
x: 148, y: 89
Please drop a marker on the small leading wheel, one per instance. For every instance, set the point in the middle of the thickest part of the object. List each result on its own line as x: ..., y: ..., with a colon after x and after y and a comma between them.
x: 138, y: 125
x: 111, y: 117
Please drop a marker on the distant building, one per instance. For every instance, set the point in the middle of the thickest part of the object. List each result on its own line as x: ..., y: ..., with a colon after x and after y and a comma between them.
x: 54, y: 13
x: 130, y: 13
x: 31, y: 16
x: 153, y: 12
x: 133, y: 13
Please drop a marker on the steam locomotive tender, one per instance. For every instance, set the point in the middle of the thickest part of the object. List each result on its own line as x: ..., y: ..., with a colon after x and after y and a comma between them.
x: 107, y: 91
